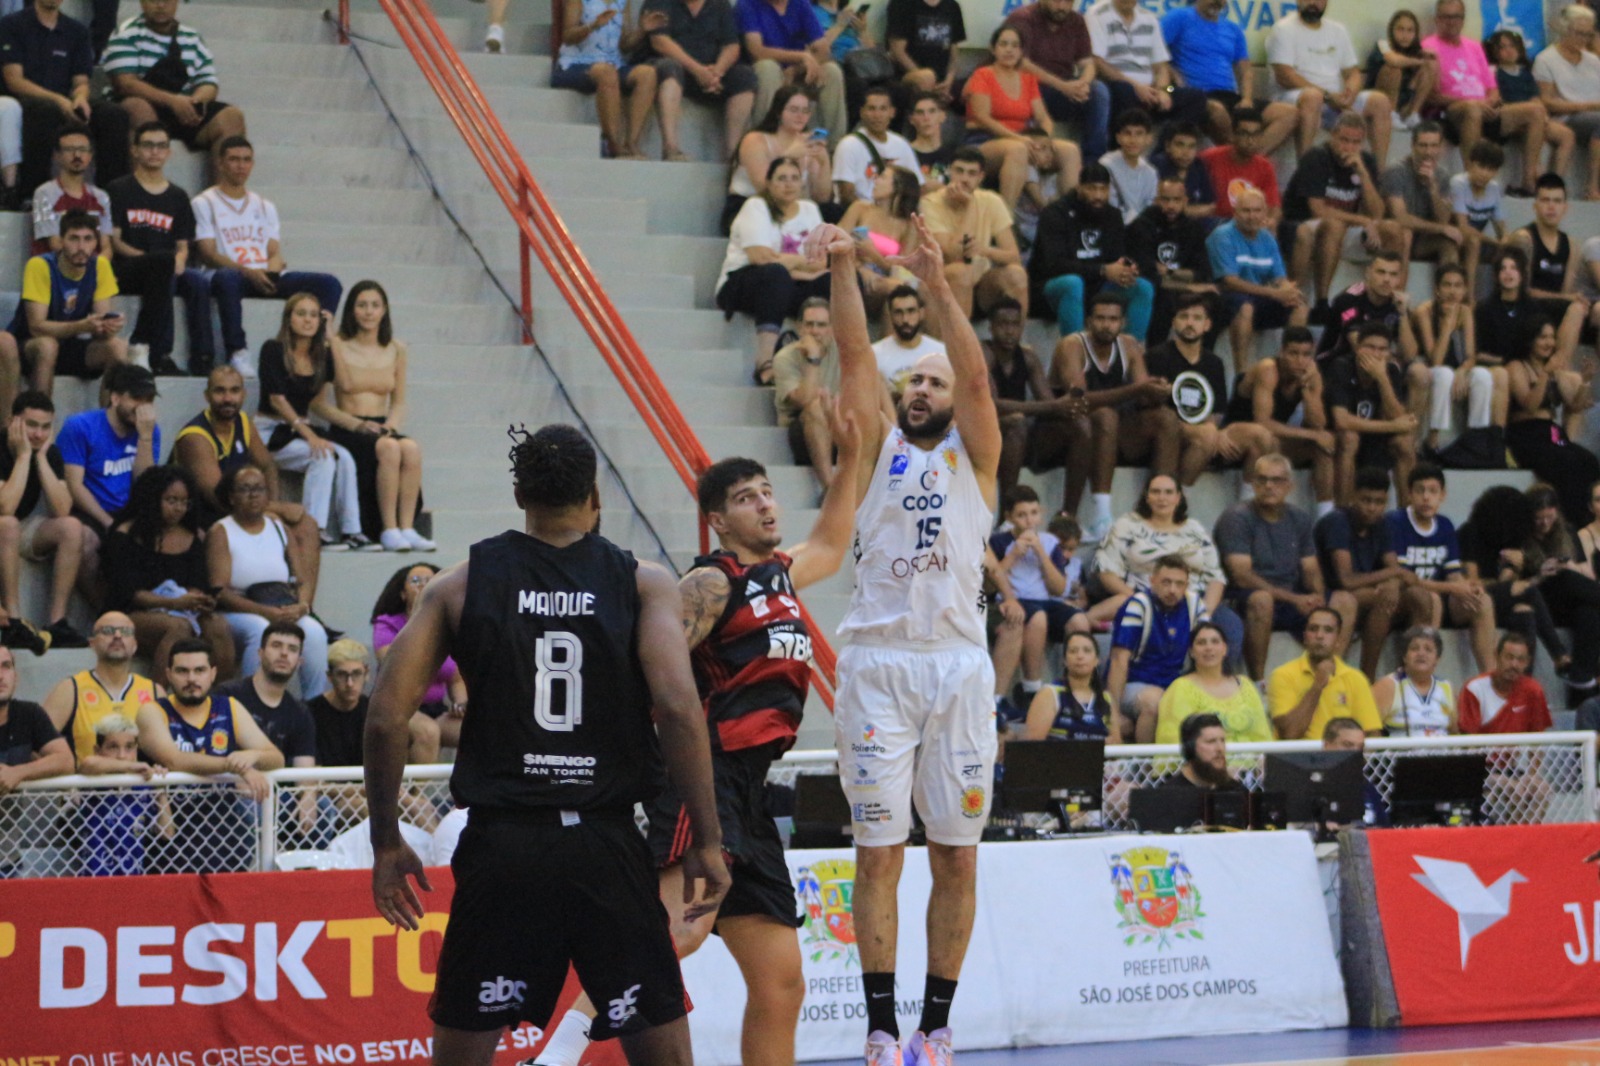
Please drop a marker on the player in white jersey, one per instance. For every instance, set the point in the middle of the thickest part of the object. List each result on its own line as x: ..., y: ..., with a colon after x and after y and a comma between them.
x: 914, y: 714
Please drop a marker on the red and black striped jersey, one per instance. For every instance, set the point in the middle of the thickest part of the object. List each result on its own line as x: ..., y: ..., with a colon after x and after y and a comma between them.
x: 752, y: 669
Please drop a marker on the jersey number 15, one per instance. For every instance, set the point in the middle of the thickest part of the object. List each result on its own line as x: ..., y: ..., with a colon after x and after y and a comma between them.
x: 558, y: 657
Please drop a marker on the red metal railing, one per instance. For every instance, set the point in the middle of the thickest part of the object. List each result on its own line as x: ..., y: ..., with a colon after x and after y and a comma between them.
x: 541, y: 233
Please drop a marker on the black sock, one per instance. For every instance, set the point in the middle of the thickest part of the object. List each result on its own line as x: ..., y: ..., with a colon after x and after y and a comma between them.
x: 880, y: 1003
x: 936, y: 996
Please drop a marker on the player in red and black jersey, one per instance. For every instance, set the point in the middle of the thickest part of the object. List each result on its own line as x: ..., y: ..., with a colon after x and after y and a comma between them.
x: 752, y: 663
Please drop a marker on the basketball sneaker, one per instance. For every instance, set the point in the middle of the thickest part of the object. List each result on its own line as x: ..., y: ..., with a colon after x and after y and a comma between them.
x: 883, y: 1049
x: 930, y: 1049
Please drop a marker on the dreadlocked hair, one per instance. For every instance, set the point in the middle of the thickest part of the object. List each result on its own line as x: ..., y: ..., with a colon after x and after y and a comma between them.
x: 553, y: 468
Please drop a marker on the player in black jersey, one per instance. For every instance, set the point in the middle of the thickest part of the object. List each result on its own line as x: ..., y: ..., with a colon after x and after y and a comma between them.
x: 751, y: 651
x: 568, y: 645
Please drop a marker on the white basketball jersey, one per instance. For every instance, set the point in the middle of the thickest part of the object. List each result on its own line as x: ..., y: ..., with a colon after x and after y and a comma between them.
x: 920, y: 534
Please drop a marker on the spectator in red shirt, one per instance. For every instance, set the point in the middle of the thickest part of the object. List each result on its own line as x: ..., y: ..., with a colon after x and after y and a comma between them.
x: 1506, y: 699
x: 1239, y: 166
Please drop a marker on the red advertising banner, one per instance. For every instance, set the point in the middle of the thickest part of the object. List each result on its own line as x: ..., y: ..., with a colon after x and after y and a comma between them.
x: 275, y: 969
x: 1492, y: 923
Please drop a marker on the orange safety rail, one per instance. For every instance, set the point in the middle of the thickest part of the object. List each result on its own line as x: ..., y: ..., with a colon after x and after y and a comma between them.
x: 541, y: 233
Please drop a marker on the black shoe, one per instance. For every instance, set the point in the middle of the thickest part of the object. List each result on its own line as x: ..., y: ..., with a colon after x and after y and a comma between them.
x: 63, y: 634
x: 1320, y: 315
x: 20, y: 634
x: 163, y: 366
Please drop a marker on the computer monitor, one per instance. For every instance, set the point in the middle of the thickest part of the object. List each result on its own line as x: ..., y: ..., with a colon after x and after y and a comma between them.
x: 1319, y: 786
x: 821, y: 813
x: 1061, y: 777
x: 1438, y: 789
x: 1165, y: 810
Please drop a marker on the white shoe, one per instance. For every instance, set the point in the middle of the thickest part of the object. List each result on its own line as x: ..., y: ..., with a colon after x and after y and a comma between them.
x: 882, y: 1049
x: 418, y: 542
x: 394, y: 541
x: 494, y: 41
x: 244, y: 361
x: 1096, y: 531
x: 139, y: 355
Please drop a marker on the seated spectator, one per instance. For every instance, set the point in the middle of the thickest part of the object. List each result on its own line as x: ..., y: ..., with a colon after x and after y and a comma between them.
x: 65, y: 321
x: 70, y: 190
x: 1236, y: 166
x: 1003, y: 103
x: 599, y: 39
x: 1209, y: 54
x: 1412, y: 701
x: 1568, y: 75
x: 906, y: 343
x: 1270, y: 559
x: 247, y: 561
x: 1505, y: 699
x: 369, y: 388
x: 1179, y: 157
x: 1402, y: 70
x: 1059, y: 53
x: 340, y: 713
x: 1148, y: 643
x: 923, y: 36
x: 446, y: 699
x: 77, y: 705
x: 1131, y: 59
x: 781, y: 134
x: 154, y: 567
x: 105, y: 450
x: 805, y: 377
x: 1469, y: 97
x: 1081, y: 250
x: 1355, y: 554
x: 1157, y: 528
x: 1444, y: 330
x: 764, y: 273
x: 1304, y: 694
x: 1257, y: 291
x: 46, y: 59
x: 1169, y: 249
x: 1029, y: 566
x: 870, y: 150
x: 1365, y: 394
x: 1209, y: 687
x: 1076, y: 708
x: 1538, y: 439
x: 1205, y: 755
x: 1379, y: 297
x: 1344, y: 734
x: 31, y: 748
x: 1315, y: 70
x: 843, y: 30
x: 786, y: 44
x: 1425, y: 544
x: 973, y: 228
x: 115, y: 825
x: 1496, y: 541
x: 886, y: 218
x: 1053, y: 168
x: 152, y: 228
x: 162, y: 71
x: 237, y: 241
x: 1501, y: 319
x: 1553, y: 265
x: 1133, y: 179
x: 36, y: 521
x: 1476, y: 204
x: 1332, y: 210
x: 1127, y: 417
x: 698, y: 54
x: 1416, y: 194
x: 295, y: 370
x: 1551, y: 560
x: 934, y: 150
x: 1022, y: 396
x: 1513, y: 75
x: 1284, y: 396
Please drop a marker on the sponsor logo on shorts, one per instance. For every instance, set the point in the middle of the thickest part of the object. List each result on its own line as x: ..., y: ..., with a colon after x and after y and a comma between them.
x: 971, y: 769
x: 500, y: 994
x: 870, y: 812
x: 623, y: 1008
x: 972, y: 801
x: 869, y: 744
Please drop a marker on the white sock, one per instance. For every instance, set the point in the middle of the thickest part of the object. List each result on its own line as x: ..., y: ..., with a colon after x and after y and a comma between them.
x: 1031, y: 686
x: 1324, y: 507
x: 1102, y: 506
x: 568, y: 1043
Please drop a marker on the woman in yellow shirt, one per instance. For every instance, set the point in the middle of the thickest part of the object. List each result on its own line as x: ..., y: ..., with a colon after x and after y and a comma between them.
x: 1208, y: 688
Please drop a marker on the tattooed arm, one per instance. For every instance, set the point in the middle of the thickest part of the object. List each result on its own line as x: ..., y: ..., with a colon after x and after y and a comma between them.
x: 705, y: 593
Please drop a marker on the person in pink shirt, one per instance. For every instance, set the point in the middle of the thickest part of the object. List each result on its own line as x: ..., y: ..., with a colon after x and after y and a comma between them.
x: 446, y: 699
x: 1469, y: 98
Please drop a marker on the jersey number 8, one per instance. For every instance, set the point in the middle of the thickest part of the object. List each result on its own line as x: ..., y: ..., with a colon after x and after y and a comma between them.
x: 558, y: 657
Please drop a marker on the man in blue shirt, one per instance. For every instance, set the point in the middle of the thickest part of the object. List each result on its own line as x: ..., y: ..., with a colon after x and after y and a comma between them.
x: 105, y: 450
x: 1211, y: 55
x: 787, y: 46
x: 1355, y: 554
x: 1149, y: 643
x: 1247, y: 263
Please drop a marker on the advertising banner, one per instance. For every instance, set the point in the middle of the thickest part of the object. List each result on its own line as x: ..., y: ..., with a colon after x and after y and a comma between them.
x: 1490, y: 924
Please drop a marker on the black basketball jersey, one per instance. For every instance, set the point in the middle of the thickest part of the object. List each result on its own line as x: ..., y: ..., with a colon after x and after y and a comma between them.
x: 560, y: 712
x: 1547, y: 269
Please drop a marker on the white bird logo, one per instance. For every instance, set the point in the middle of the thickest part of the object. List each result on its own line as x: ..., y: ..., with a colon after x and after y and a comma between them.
x: 1477, y: 906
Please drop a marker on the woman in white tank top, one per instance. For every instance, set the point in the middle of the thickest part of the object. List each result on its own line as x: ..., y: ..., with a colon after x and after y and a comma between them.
x: 1412, y: 701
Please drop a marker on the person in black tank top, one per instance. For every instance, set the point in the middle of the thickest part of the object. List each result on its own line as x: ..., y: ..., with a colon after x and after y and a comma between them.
x: 1553, y: 264
x: 568, y: 645
x: 1292, y: 382
x: 1021, y: 393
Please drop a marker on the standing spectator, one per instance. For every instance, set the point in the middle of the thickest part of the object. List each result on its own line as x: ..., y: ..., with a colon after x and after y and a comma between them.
x: 1059, y: 53
x: 1284, y: 394
x: 1133, y: 179
x: 65, y: 321
x: 598, y: 40
x: 36, y: 520
x: 1080, y: 250
x: 78, y: 704
x: 1505, y: 699
x: 69, y: 191
x: 1445, y: 340
x: 934, y: 150
x: 1169, y: 249
x: 1412, y: 701
x: 155, y: 571
x: 1210, y: 687
x: 445, y: 701
x: 698, y: 54
x: 1355, y: 554
x: 1179, y: 157
x: 1380, y: 297
x: 904, y: 346
x: 30, y: 746
x: 369, y: 387
x: 237, y: 240
x: 1416, y: 193
x: 1539, y: 440
x: 247, y: 560
x: 1248, y: 266
x: 781, y: 133
x: 1131, y: 58
x: 805, y: 376
x: 1513, y: 75
x: 786, y: 44
x: 1304, y: 694
x: 1004, y: 102
x: 1425, y: 544
x: 46, y: 59
x: 1315, y: 69
x: 973, y: 228
x: 1210, y: 55
x: 1237, y: 166
x: 162, y: 71
x: 105, y: 450
x: 1366, y: 398
x: 870, y: 150
x: 1568, y: 74
x: 1077, y: 708
x: 1148, y: 643
x: 295, y: 371
x: 1477, y: 204
x: 1030, y: 567
x: 152, y: 229
x: 764, y: 274
x: 1503, y: 320
x: 1159, y: 527
x: 1401, y: 69
x: 1553, y: 264
x: 1022, y: 396
x: 1469, y: 97
x: 923, y: 36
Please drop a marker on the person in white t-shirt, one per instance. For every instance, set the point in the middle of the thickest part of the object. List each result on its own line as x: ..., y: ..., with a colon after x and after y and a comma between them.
x: 1314, y: 67
x: 237, y: 241
x: 906, y: 344
x: 856, y: 165
x: 1568, y: 76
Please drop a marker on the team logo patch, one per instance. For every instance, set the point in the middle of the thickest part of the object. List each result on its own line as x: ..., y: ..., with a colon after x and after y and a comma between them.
x: 219, y: 740
x: 951, y: 459
x: 91, y: 698
x: 972, y: 801
x: 829, y: 932
x: 899, y: 464
x: 1155, y: 897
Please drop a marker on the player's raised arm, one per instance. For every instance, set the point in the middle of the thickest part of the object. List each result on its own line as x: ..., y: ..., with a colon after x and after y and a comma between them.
x: 823, y: 551
x: 860, y: 384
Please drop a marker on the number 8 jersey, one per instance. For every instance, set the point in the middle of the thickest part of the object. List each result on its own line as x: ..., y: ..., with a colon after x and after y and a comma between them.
x: 920, y: 533
x: 560, y: 713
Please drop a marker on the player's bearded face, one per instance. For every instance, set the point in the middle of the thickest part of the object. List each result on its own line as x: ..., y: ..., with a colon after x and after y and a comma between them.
x: 922, y: 416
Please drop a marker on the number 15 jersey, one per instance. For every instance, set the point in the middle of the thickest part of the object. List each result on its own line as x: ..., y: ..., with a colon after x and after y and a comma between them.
x: 560, y: 713
x: 919, y: 542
